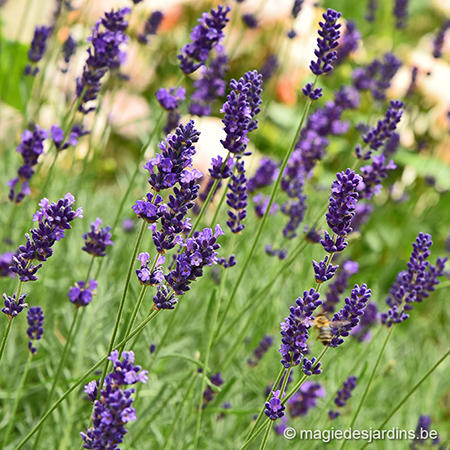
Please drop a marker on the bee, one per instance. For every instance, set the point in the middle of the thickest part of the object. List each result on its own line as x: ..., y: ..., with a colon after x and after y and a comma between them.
x: 325, y: 327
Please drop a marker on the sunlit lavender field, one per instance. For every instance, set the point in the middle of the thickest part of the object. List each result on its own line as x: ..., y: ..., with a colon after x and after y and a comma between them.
x: 224, y: 225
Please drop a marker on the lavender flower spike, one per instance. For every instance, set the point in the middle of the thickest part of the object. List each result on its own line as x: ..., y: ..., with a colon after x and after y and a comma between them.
x: 326, y: 43
x: 35, y: 319
x: 323, y: 271
x: 37, y: 48
x: 96, y: 240
x: 342, y: 396
x: 12, y: 307
x: 81, y: 294
x: 274, y: 409
x: 305, y: 398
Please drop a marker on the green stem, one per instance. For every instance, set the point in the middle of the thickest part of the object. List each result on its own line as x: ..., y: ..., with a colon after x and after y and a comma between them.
x: 366, y: 390
x: 5, y: 336
x: 219, y: 206
x: 266, y: 435
x: 410, y: 393
x: 16, y: 401
x: 144, y: 323
x: 58, y: 373
x: 124, y: 295
x: 89, y: 270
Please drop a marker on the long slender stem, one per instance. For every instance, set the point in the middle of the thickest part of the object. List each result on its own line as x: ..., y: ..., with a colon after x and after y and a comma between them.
x: 124, y: 295
x: 266, y: 435
x: 16, y: 401
x: 366, y: 390
x: 410, y: 393
x: 140, y: 327
x: 5, y: 336
x: 219, y: 206
x: 58, y: 373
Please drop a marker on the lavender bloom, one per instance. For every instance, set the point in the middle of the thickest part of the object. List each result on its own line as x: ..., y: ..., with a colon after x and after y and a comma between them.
x: 339, y: 285
x: 259, y: 351
x: 326, y: 43
x: 231, y: 262
x: 351, y: 313
x: 323, y: 270
x: 269, y: 67
x: 97, y: 239
x: 145, y: 276
x: 341, y: 209
x: 374, y: 174
x: 13, y: 308
x: 151, y: 208
x: 30, y: 147
x: 438, y: 42
x: 372, y: 6
x: 296, y: 8
x: 237, y: 199
x: 6, y: 260
x: 312, y: 235
x: 391, y: 145
x: 171, y: 99
x: 274, y: 409
x: 128, y: 224
x: 53, y: 220
x: 348, y: 43
x: 294, y: 332
x: 313, y: 94
x: 250, y: 20
x: 422, y: 430
x: 265, y: 175
x: 305, y: 398
x: 205, y: 36
x: 164, y: 299
x: 81, y: 294
x: 368, y: 319
x: 151, y: 26
x: 58, y: 137
x: 68, y: 50
x: 414, y: 284
x: 152, y: 348
x: 280, y: 253
x: 208, y: 394
x: 105, y: 54
x: 210, y: 86
x: 113, y: 410
x: 377, y: 76
x: 220, y: 170
x: 37, y: 48
x: 261, y: 203
x: 35, y: 319
x: 310, y: 368
x: 175, y: 157
x: 385, y: 128
x: 342, y: 396
x: 401, y: 13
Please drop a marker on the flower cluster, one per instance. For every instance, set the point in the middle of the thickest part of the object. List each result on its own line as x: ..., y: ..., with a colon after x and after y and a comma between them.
x: 221, y: 169
x: 311, y: 367
x: 313, y: 94
x: 326, y: 43
x: 69, y: 47
x: 208, y: 394
x: 113, y: 410
x: 151, y: 26
x: 259, y: 351
x: 423, y: 426
x: 171, y: 99
x: 401, y: 13
x: 280, y: 253
x: 6, y: 260
x: 145, y: 275
x: 237, y: 199
x: 265, y: 174
x: 374, y: 174
x: 369, y: 318
x: 35, y: 331
x: 350, y: 314
x: 108, y: 35
x: 323, y: 270
x: 294, y: 330
x: 37, y: 48
x: 205, y: 36
x: 30, y: 147
x: 12, y: 307
x: 261, y: 203
x: 305, y: 398
x: 274, y: 409
x: 96, y: 240
x: 414, y: 284
x: 372, y: 6
x: 342, y: 396
x: 81, y: 294
x: 250, y: 20
x: 58, y: 137
x: 54, y: 219
x: 348, y: 43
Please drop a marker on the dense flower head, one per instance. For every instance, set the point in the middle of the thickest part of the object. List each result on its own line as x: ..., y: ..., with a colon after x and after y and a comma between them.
x: 68, y: 50
x: 209, y: 392
x: 60, y: 143
x: 150, y: 208
x: 323, y: 270
x: 113, y: 410
x: 326, y: 43
x: 414, y: 284
x: 54, y: 219
x: 199, y: 251
x: 237, y: 199
x: 35, y: 331
x: 96, y: 240
x: 227, y: 263
x: 351, y: 313
x: 151, y: 26
x: 313, y: 94
x: 401, y: 13
x: 422, y: 435
x: 280, y: 253
x: 261, y: 203
x: 171, y: 99
x: 210, y: 86
x: 164, y: 298
x: 311, y: 367
x: 305, y: 398
x: 220, y: 169
x: 258, y: 353
x: 205, y: 36
x: 107, y: 39
x: 145, y: 276
x: 81, y: 294
x: 176, y: 155
x: 12, y: 307
x: 37, y: 48
x: 348, y: 43
x: 438, y: 42
x: 342, y: 396
x: 377, y: 75
x: 269, y: 67
x: 294, y: 330
x: 274, y: 409
x: 265, y: 174
x: 340, y: 283
x: 374, y: 174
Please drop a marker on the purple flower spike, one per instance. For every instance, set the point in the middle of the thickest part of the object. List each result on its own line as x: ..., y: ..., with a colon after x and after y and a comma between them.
x: 313, y: 94
x: 372, y: 6
x: 150, y: 208
x: 401, y: 13
x: 96, y: 241
x: 296, y: 8
x: 35, y: 331
x: 269, y: 67
x: 368, y: 319
x: 37, y: 48
x: 326, y: 43
x: 144, y: 275
x: 151, y: 26
x: 310, y: 368
x: 237, y: 199
x: 265, y: 174
x: 171, y: 99
x: 81, y: 295
x: 305, y: 398
x: 205, y: 36
x: 259, y: 351
x: 374, y: 174
x: 68, y: 50
x: 342, y: 396
x: 274, y: 409
x: 219, y: 173
x: 13, y: 308
x: 323, y: 271
x: 348, y: 43
x: 209, y: 393
x: 250, y: 20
